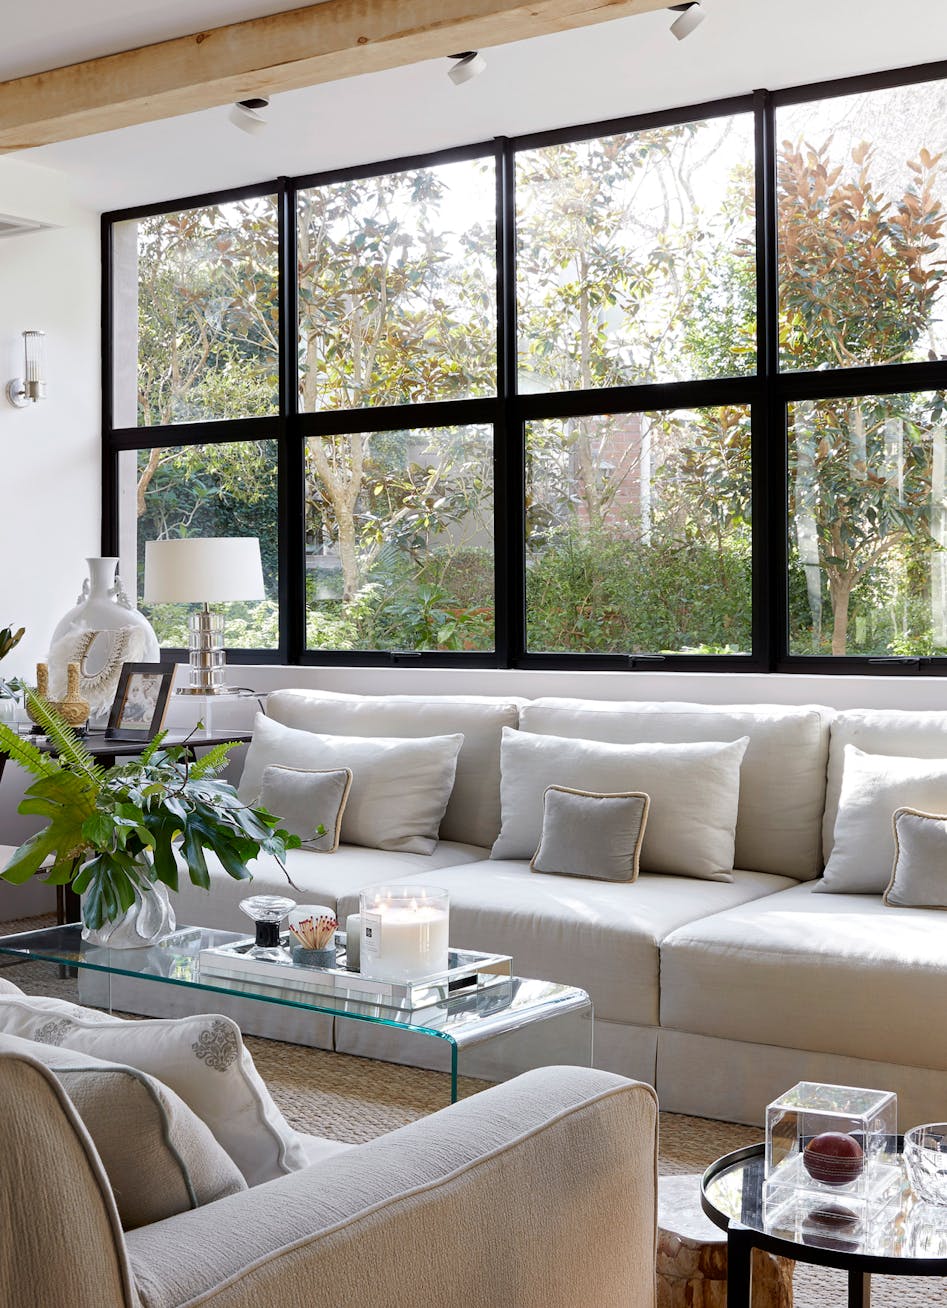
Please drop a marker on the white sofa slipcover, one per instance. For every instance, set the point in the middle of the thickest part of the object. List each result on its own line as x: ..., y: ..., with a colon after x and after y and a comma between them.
x: 720, y: 994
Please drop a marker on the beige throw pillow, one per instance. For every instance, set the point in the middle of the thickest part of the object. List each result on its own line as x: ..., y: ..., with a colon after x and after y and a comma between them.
x: 919, y: 875
x: 694, y: 789
x: 873, y: 787
x: 159, y: 1157
x: 400, y: 787
x: 587, y: 834
x: 305, y: 800
x: 201, y: 1058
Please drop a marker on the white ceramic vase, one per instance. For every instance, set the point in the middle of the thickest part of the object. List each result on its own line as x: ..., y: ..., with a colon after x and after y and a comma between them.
x: 149, y: 920
x: 104, y: 606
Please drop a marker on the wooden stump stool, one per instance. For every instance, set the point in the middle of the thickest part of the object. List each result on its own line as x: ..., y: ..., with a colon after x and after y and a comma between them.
x: 692, y: 1255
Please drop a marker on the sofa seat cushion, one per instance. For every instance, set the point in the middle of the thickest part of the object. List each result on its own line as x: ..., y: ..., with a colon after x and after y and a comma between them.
x: 318, y: 880
x: 603, y: 936
x: 782, y: 779
x: 837, y: 974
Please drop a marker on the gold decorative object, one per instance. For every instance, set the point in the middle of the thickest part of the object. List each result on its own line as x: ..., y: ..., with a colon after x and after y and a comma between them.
x: 73, y: 709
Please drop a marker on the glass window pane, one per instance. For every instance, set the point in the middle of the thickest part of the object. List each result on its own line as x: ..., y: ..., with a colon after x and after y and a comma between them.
x: 399, y: 540
x: 638, y: 533
x: 397, y: 288
x: 636, y: 257
x: 868, y: 526
x: 203, y: 490
x: 195, y: 314
x: 863, y: 228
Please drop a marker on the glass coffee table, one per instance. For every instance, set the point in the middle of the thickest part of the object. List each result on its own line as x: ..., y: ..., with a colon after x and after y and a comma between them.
x: 905, y: 1238
x: 491, y: 1034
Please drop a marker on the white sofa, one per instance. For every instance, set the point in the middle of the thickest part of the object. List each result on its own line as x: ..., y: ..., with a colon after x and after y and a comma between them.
x: 720, y: 994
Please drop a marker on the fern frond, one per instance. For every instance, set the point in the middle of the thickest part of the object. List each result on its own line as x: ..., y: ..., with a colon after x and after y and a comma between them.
x: 22, y: 751
x: 68, y: 746
x: 152, y: 748
x: 211, y: 762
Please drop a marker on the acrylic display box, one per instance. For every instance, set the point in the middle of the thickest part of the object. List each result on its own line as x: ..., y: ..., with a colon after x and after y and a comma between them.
x: 831, y: 1155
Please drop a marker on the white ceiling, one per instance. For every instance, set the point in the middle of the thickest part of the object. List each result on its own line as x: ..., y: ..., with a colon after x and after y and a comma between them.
x: 621, y: 67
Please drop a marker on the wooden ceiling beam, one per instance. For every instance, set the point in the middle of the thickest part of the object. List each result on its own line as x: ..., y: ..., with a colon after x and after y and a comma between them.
x: 264, y: 56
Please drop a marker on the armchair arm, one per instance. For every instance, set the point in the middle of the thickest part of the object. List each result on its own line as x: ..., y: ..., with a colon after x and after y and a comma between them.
x: 62, y: 1240
x: 529, y: 1195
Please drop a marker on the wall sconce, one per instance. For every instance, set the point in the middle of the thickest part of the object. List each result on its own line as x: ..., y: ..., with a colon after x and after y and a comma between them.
x: 32, y: 385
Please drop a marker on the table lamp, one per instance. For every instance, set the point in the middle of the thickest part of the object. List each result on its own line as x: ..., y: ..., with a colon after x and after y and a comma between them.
x: 204, y: 570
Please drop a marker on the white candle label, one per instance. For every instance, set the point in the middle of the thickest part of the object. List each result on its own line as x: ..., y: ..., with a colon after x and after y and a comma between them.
x: 371, y: 935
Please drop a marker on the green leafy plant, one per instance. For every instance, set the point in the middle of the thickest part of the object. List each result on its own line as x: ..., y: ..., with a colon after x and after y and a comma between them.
x: 113, y: 831
x: 9, y: 639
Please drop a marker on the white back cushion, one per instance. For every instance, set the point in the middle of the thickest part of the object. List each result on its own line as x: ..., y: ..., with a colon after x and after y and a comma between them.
x: 694, y: 789
x: 782, y: 780
x: 900, y: 732
x: 473, y: 813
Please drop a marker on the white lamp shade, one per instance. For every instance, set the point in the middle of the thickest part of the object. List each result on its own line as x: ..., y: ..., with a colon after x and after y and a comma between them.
x: 203, y: 570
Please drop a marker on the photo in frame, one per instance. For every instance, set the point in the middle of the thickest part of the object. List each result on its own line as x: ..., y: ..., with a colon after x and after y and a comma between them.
x: 141, y: 701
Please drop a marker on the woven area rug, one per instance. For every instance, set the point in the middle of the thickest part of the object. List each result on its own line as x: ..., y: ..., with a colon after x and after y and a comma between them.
x: 356, y: 1099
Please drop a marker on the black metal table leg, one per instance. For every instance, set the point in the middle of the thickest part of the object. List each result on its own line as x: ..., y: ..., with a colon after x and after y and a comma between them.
x: 859, y: 1290
x: 739, y: 1267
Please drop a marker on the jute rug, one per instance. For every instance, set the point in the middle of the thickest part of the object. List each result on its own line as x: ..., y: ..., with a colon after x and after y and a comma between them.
x: 356, y: 1099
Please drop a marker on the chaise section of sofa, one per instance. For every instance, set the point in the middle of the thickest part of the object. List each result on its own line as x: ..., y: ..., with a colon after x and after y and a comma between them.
x: 803, y: 986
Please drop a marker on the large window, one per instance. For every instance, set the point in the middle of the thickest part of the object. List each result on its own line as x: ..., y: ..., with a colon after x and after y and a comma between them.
x: 667, y: 391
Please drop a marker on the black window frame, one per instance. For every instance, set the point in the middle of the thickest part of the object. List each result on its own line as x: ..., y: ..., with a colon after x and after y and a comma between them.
x: 768, y: 393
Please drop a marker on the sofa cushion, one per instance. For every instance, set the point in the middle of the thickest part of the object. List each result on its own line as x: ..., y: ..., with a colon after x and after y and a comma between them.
x: 202, y: 1058
x: 603, y: 936
x: 834, y: 974
x: 473, y: 813
x: 315, y: 879
x: 304, y: 800
x: 591, y: 835
x: 400, y: 787
x: 694, y: 790
x: 919, y: 875
x: 873, y: 787
x: 902, y: 733
x: 782, y: 783
x: 160, y: 1158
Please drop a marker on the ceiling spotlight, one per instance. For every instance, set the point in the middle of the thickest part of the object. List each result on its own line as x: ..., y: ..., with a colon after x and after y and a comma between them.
x: 469, y: 64
x: 689, y: 17
x: 248, y: 114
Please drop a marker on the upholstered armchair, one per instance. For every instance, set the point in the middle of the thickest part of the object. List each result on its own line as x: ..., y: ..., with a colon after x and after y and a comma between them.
x: 538, y: 1193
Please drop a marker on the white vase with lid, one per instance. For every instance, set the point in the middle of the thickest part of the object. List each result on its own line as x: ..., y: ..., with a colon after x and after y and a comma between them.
x: 103, y: 605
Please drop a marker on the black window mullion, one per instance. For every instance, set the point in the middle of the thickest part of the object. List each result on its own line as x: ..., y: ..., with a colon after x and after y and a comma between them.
x: 290, y: 470
x: 509, y: 456
x: 770, y: 505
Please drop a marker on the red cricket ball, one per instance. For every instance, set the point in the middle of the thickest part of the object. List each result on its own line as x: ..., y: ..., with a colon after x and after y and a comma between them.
x: 834, y: 1158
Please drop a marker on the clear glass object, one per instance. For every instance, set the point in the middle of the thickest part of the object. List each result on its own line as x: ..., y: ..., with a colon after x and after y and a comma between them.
x: 492, y: 1034
x: 925, y: 1156
x: 831, y: 1155
x: 404, y: 931
x: 267, y: 912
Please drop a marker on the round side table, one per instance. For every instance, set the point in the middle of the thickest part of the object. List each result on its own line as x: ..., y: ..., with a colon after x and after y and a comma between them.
x: 905, y: 1238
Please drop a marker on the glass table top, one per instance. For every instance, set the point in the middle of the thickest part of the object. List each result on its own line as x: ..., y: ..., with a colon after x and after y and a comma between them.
x: 902, y: 1228
x: 462, y: 1019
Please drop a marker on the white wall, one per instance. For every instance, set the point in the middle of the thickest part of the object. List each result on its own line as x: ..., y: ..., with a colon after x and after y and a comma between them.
x: 50, y: 467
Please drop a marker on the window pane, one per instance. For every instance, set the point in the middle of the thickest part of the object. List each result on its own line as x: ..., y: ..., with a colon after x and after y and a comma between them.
x: 397, y: 288
x: 863, y: 228
x: 636, y: 257
x: 868, y: 526
x: 195, y: 314
x: 399, y: 540
x: 638, y: 533
x: 203, y: 490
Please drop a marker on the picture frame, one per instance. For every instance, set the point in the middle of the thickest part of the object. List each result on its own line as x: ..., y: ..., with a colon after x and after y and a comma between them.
x: 141, y: 701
